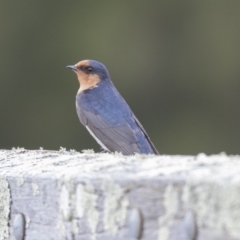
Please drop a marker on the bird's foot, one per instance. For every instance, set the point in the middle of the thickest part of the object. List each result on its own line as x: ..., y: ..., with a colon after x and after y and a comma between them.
x: 104, y: 151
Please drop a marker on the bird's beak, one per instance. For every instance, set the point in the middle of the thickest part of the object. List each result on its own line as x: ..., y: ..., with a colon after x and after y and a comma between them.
x: 72, y: 67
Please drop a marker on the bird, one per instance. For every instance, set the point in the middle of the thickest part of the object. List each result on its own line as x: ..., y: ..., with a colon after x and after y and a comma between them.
x: 105, y: 113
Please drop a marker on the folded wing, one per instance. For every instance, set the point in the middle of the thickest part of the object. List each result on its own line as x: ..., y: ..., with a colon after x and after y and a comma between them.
x: 120, y: 138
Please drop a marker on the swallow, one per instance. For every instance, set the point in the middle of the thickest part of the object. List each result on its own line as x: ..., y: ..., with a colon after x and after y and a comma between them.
x: 105, y: 113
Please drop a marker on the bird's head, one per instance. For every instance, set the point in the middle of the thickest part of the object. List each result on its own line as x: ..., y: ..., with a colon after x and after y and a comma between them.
x: 89, y: 73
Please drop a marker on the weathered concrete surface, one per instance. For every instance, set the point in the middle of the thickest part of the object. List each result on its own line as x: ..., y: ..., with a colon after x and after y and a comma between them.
x: 50, y: 195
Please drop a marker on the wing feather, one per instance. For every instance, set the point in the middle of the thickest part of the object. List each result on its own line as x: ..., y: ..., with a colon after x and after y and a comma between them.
x: 146, y: 135
x: 119, y: 138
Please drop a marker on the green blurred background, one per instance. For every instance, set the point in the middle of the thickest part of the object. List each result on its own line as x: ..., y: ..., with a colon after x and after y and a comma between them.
x: 177, y: 64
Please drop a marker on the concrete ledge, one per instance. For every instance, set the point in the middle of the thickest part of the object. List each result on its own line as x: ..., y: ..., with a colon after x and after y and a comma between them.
x: 68, y: 195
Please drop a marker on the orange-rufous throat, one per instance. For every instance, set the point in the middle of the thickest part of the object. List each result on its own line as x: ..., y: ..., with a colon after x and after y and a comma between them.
x: 86, y: 80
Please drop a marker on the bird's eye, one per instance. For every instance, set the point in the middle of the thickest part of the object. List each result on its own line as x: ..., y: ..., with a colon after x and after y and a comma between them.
x: 89, y: 69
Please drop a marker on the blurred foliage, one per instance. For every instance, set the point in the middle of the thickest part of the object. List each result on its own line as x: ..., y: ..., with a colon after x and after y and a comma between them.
x: 175, y: 62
